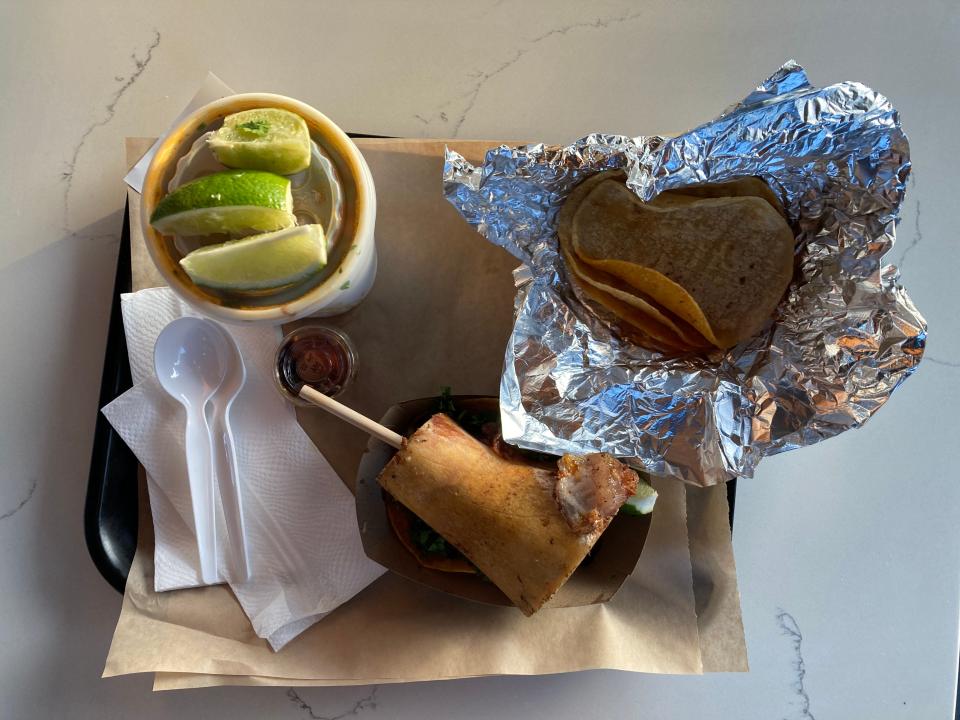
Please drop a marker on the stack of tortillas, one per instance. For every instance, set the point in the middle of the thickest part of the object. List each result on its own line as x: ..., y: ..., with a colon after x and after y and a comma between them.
x: 698, y: 268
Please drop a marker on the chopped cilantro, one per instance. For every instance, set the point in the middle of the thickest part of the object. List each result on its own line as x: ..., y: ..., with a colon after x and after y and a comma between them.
x: 446, y: 401
x: 437, y: 545
x: 254, y: 128
x: 345, y: 286
x: 429, y: 540
x: 472, y: 422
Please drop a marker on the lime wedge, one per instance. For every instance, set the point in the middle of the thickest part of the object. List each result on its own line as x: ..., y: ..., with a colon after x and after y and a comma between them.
x: 260, y: 262
x: 263, y: 139
x: 235, y: 202
x: 642, y: 501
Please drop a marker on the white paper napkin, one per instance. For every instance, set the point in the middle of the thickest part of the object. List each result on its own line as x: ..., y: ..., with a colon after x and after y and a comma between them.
x: 304, y: 545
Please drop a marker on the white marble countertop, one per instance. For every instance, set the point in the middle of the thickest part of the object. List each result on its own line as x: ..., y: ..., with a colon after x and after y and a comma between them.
x: 848, y: 552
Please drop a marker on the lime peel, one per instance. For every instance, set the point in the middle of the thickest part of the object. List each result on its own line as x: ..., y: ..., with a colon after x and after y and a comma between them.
x: 261, y: 262
x: 235, y: 202
x: 642, y: 501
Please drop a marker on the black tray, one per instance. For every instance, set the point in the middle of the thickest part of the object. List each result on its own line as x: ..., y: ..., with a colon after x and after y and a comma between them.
x: 111, y: 511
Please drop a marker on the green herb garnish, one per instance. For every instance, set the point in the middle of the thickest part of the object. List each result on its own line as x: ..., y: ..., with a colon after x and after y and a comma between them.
x: 446, y: 402
x: 429, y: 540
x: 256, y: 128
x: 472, y: 422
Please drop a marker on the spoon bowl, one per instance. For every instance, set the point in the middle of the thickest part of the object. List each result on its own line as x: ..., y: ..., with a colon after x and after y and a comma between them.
x: 187, y: 359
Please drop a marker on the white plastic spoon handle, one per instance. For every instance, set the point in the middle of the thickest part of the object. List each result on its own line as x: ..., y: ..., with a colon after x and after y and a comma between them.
x: 199, y: 471
x: 228, y: 480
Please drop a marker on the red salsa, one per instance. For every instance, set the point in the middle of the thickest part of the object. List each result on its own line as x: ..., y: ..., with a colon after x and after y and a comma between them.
x: 317, y: 356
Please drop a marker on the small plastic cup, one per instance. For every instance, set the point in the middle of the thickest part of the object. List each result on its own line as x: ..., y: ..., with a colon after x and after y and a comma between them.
x: 316, y: 355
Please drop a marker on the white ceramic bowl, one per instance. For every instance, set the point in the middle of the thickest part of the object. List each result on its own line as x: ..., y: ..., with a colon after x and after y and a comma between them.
x: 352, y: 264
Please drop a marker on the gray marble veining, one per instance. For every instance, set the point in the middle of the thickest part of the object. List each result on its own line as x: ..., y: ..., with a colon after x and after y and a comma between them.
x: 480, y: 78
x: 911, y: 246
x: 917, y: 232
x: 789, y: 627
x: 140, y: 65
x: 367, y: 702
x: 34, y: 481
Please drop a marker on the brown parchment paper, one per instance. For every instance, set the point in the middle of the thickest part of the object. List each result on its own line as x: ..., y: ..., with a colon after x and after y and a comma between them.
x: 439, y: 314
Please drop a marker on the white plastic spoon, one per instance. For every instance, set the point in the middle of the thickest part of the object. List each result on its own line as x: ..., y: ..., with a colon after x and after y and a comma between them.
x: 225, y: 456
x: 189, y: 366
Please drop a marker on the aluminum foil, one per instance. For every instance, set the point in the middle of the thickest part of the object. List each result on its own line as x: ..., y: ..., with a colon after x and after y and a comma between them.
x: 843, y: 338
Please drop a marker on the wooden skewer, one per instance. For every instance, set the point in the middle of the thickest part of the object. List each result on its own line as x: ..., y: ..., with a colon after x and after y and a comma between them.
x: 352, y: 416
